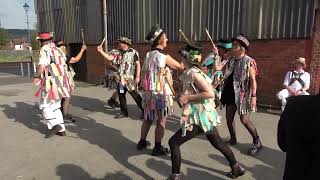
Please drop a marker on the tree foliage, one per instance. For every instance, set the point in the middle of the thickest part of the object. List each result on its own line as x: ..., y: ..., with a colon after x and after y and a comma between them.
x: 4, y: 37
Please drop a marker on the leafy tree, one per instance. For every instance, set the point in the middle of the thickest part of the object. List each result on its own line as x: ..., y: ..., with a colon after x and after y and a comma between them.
x: 4, y: 37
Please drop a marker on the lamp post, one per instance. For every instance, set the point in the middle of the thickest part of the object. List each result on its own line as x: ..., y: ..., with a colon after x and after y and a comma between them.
x: 26, y: 8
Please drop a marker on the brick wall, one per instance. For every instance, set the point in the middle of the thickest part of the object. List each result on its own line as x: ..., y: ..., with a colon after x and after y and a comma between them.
x: 273, y: 58
x: 315, y: 60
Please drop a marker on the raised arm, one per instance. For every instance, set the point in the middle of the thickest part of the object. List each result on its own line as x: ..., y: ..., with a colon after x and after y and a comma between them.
x: 173, y: 64
x: 105, y: 55
x: 79, y: 56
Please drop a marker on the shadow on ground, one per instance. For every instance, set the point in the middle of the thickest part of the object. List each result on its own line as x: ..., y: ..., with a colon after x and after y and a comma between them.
x: 273, y: 159
x: 26, y: 114
x: 71, y: 171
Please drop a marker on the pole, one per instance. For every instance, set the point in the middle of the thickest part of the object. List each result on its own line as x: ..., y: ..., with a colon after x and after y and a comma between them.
x: 105, y: 25
x: 29, y: 41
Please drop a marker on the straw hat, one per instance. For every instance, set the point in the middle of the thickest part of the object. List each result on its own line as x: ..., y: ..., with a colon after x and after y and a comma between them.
x: 300, y: 60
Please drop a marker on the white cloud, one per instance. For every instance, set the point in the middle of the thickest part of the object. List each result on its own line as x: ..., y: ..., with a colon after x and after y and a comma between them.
x: 13, y: 16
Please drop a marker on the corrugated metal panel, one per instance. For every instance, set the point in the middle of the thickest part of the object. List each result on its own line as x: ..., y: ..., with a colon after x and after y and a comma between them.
x: 258, y: 19
x: 66, y: 18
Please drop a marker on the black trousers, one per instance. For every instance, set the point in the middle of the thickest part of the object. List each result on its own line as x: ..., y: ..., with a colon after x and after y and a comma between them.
x: 123, y: 100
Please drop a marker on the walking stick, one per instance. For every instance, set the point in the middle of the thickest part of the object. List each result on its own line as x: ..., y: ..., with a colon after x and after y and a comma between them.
x: 210, y: 38
x: 173, y: 92
x: 104, y: 39
x: 82, y: 37
x: 183, y: 35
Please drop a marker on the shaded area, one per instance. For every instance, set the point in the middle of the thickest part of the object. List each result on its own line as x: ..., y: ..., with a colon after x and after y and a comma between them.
x: 109, y: 139
x: 74, y: 172
x: 273, y: 159
x: 26, y: 114
x: 192, y: 173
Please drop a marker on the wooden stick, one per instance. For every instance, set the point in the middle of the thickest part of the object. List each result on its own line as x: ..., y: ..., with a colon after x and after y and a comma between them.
x: 209, y: 36
x: 183, y: 35
x: 82, y: 37
x: 104, y: 39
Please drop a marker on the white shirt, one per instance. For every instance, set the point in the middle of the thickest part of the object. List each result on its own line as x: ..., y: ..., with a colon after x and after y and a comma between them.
x: 305, y: 77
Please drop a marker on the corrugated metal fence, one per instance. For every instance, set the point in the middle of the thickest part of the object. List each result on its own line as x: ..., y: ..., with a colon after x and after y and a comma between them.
x: 258, y: 19
x: 66, y: 18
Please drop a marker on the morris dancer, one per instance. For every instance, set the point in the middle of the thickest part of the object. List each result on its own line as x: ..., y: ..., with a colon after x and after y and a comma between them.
x: 199, y: 114
x: 296, y: 82
x: 65, y: 102
x: 52, y: 77
x: 158, y: 97
x: 240, y: 91
x: 214, y: 61
x: 128, y: 74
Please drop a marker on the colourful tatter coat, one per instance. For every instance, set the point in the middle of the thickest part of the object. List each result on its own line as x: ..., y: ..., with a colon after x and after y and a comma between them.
x: 202, y: 113
x: 157, y: 96
x: 127, y: 68
x: 241, y: 82
x: 55, y: 81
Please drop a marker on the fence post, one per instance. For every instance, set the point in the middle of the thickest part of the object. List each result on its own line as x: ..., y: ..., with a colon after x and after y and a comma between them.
x: 21, y: 67
x: 28, y: 69
x: 34, y: 69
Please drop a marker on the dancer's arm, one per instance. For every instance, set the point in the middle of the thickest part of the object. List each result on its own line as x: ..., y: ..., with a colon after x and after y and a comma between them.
x: 105, y: 55
x: 138, y: 69
x: 253, y: 86
x: 206, y: 90
x: 79, y: 56
x: 173, y: 64
x: 40, y: 70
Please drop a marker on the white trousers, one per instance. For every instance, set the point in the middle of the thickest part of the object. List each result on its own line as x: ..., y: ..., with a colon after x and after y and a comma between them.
x: 52, y: 114
x: 283, y: 94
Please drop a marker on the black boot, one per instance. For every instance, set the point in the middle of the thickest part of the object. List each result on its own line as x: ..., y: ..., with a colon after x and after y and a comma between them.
x: 143, y: 144
x: 256, y: 147
x: 232, y: 141
x: 55, y: 129
x: 61, y: 133
x: 160, y: 151
x: 236, y: 171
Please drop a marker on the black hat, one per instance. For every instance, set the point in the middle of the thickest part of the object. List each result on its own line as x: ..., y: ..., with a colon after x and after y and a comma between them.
x: 154, y: 35
x: 242, y: 40
x: 224, y: 44
x: 190, y: 50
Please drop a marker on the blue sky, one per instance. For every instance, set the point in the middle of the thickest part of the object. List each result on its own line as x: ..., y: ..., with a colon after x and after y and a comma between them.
x: 13, y: 16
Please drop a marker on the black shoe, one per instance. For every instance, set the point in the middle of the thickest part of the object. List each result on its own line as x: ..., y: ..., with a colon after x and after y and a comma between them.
x: 55, y: 129
x: 232, y: 141
x: 160, y: 151
x: 69, y: 121
x: 121, y: 116
x: 61, y: 133
x: 143, y: 144
x: 68, y: 117
x: 236, y: 171
x: 255, y: 149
